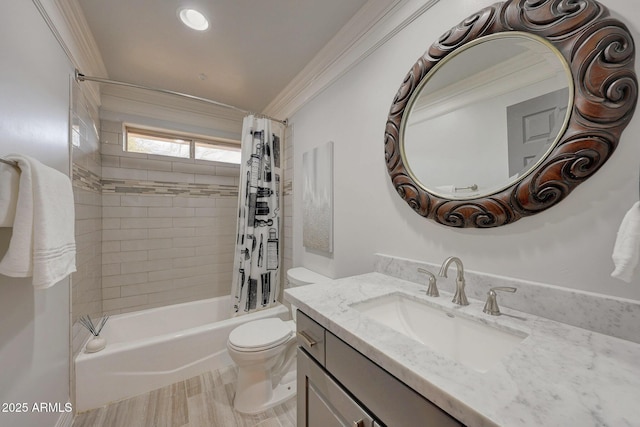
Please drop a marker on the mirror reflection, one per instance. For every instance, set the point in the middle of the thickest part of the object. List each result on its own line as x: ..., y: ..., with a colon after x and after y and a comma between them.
x: 487, y: 115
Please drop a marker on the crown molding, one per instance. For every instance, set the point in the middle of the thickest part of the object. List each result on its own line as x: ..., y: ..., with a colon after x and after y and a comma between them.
x: 370, y: 28
x: 69, y: 26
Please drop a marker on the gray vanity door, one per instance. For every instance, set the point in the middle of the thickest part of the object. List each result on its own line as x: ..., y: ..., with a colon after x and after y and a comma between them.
x: 321, y: 402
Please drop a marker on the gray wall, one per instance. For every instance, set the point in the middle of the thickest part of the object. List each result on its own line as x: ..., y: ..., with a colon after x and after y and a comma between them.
x: 34, y: 117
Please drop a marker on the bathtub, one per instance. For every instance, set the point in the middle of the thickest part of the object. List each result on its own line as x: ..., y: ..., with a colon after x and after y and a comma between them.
x: 153, y: 348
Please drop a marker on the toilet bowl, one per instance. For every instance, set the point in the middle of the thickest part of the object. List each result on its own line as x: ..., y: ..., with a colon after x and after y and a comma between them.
x: 265, y: 353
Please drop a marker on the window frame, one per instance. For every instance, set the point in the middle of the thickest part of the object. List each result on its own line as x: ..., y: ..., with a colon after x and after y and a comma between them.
x: 191, y: 139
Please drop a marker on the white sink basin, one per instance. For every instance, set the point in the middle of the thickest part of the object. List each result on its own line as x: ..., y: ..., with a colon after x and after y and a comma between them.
x: 469, y: 342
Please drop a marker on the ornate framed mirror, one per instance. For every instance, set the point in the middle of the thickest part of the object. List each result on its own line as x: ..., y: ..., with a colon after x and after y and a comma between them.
x: 510, y: 110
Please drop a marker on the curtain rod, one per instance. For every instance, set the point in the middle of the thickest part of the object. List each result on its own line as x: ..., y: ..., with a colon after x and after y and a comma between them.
x: 81, y: 78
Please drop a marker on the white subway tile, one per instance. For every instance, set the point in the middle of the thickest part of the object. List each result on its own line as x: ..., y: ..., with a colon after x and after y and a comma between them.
x: 193, y: 222
x: 141, y: 266
x: 84, y: 197
x: 111, y: 293
x: 190, y: 242
x: 158, y: 233
x: 119, y: 303
x: 212, y: 179
x: 227, y: 202
x: 146, y: 222
x: 183, y: 294
x: 87, y: 211
x: 171, y: 253
x: 193, y: 202
x: 206, y: 212
x: 110, y: 161
x: 108, y: 247
x: 84, y: 226
x: 146, y: 164
x: 130, y: 234
x: 110, y: 223
x: 147, y: 288
x: 119, y: 173
x: 123, y: 212
x: 111, y: 126
x: 145, y: 200
x: 144, y: 245
x: 124, y: 279
x: 111, y: 149
x: 111, y: 200
x: 169, y: 158
x: 111, y: 269
x: 221, y: 212
x: 111, y: 138
x: 171, y: 212
x: 117, y: 257
x: 193, y: 281
x: 193, y: 168
x: 180, y: 273
x: 170, y: 177
x: 192, y: 261
x: 233, y: 171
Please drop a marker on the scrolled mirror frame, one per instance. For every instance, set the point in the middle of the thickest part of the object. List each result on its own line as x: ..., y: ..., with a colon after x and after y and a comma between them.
x: 600, y: 52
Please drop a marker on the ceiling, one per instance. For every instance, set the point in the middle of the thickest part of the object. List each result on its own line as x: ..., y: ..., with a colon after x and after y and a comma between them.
x: 250, y: 52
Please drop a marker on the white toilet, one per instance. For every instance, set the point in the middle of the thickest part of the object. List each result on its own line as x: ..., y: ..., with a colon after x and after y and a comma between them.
x: 264, y: 351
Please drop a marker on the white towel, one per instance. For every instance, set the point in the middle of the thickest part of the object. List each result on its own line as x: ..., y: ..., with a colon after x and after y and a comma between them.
x: 626, y: 251
x: 9, y: 176
x: 42, y: 245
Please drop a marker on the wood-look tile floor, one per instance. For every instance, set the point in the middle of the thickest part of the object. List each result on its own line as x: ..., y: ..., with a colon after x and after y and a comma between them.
x: 202, y: 401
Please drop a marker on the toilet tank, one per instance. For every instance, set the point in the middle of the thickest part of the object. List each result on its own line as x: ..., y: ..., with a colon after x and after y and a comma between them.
x: 299, y: 276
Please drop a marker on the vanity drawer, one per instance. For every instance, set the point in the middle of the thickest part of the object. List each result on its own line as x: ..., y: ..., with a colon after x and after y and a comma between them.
x: 392, y: 402
x: 322, y: 402
x: 311, y: 336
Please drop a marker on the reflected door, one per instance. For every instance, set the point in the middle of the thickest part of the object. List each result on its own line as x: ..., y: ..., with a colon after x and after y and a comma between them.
x: 532, y: 127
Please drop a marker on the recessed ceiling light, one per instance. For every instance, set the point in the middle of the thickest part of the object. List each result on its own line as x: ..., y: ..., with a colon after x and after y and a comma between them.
x: 193, y: 19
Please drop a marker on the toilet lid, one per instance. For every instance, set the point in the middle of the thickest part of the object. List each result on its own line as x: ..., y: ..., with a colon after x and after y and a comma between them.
x: 260, y: 334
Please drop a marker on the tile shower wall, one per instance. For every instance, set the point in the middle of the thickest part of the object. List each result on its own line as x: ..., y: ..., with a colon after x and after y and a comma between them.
x: 168, y: 224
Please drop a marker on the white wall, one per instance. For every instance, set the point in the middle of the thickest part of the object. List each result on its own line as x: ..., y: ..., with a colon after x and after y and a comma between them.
x: 568, y: 245
x: 34, y: 113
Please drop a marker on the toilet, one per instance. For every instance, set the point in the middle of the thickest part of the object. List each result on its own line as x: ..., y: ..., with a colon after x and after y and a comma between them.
x: 265, y: 353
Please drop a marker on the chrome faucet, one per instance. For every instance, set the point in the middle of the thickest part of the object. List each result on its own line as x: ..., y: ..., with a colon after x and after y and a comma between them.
x: 459, y: 297
x: 432, y: 290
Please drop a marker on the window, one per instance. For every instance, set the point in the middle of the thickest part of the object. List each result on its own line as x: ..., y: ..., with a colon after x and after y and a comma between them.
x: 182, y: 146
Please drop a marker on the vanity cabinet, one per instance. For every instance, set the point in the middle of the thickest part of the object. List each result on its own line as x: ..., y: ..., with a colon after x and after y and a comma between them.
x: 338, y: 386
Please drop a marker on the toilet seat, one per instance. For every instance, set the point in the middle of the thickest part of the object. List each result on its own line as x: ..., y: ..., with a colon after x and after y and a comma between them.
x: 259, y: 335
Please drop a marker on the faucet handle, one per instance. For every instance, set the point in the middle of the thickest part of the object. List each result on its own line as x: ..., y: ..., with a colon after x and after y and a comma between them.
x: 432, y: 290
x: 491, y: 306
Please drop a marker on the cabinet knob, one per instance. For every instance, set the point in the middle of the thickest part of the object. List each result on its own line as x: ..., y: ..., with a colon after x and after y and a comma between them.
x: 358, y: 423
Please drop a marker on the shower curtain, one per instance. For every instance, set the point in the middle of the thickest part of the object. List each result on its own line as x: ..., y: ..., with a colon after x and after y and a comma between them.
x: 256, y: 274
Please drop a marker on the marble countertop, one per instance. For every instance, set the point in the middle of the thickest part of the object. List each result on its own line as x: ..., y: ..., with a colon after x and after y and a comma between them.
x: 559, y: 375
